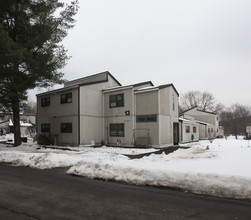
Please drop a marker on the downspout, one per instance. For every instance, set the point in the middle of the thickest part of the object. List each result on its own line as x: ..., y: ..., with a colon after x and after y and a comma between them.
x: 37, y: 117
x: 181, y: 131
x: 78, y: 115
x: 103, y: 116
x: 133, y: 115
x: 159, y: 127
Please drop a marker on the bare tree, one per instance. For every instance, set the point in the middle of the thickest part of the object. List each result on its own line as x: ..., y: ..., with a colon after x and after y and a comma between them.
x: 234, y: 119
x: 203, y: 100
x: 30, y: 107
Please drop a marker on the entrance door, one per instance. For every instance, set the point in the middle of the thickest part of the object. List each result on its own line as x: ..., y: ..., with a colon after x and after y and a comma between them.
x: 175, y: 133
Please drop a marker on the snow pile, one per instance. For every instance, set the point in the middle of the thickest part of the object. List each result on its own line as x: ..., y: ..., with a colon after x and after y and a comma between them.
x: 220, y: 168
x: 46, y: 158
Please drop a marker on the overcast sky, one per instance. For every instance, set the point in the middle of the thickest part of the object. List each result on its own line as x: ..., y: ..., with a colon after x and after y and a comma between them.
x: 194, y: 44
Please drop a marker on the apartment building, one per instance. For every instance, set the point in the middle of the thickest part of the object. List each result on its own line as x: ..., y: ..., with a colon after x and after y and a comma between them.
x: 99, y: 109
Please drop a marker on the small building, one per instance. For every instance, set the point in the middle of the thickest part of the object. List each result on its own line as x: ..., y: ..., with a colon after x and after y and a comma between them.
x: 27, y: 122
x: 248, y: 130
x: 25, y: 128
x: 209, y: 122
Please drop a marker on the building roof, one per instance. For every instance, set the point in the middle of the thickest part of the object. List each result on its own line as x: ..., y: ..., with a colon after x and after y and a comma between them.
x: 88, y: 80
x: 2, y: 122
x: 197, y: 110
x: 188, y: 120
x: 92, y: 79
x: 127, y: 86
x: 146, y: 89
x: 204, y: 123
x: 187, y: 110
x: 213, y: 113
x: 22, y: 124
x: 168, y: 85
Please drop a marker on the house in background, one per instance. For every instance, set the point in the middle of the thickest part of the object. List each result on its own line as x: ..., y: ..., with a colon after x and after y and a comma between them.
x: 98, y: 108
x: 25, y: 127
x: 27, y: 122
x: 208, y: 122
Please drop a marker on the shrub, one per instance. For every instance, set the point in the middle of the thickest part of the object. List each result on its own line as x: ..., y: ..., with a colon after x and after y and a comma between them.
x: 45, y: 139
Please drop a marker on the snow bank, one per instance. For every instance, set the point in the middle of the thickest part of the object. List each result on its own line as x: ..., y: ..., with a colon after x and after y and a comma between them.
x: 222, y: 170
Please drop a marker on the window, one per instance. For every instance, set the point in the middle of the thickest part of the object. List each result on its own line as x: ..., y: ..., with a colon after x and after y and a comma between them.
x: 187, y: 129
x: 66, y: 127
x: 212, y: 130
x: 194, y: 129
x: 116, y: 100
x: 45, y: 101
x: 66, y: 98
x: 117, y: 130
x: 146, y: 118
x: 45, y: 128
x: 208, y: 130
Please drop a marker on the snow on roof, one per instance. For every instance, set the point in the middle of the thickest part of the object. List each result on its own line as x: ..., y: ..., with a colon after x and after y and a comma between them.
x: 152, y: 88
x: 187, y: 120
x: 205, y: 123
x: 116, y: 88
x: 22, y: 124
x: 129, y: 86
x: 148, y: 87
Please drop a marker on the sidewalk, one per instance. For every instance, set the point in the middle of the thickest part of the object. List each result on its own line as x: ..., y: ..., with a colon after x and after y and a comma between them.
x: 166, y: 151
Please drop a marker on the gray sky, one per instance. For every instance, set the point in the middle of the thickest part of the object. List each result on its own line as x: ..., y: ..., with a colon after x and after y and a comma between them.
x: 194, y: 44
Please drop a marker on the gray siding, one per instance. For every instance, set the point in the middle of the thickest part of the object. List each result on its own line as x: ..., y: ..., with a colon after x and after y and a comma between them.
x: 58, y: 113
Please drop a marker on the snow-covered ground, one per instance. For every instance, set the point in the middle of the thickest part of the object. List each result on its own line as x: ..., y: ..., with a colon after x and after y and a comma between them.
x: 221, y: 168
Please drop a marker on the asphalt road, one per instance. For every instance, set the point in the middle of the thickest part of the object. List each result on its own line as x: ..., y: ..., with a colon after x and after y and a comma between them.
x: 27, y: 193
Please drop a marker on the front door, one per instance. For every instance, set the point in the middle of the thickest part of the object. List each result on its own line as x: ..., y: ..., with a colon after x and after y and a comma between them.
x: 175, y: 133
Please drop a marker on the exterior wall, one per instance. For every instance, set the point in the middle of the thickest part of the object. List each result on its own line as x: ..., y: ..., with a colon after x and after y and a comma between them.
x: 85, y: 112
x: 117, y: 115
x: 187, y: 137
x: 168, y: 103
x: 207, y: 131
x: 58, y: 113
x: 203, y: 131
x: 211, y: 131
x: 92, y: 111
x: 147, y: 104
